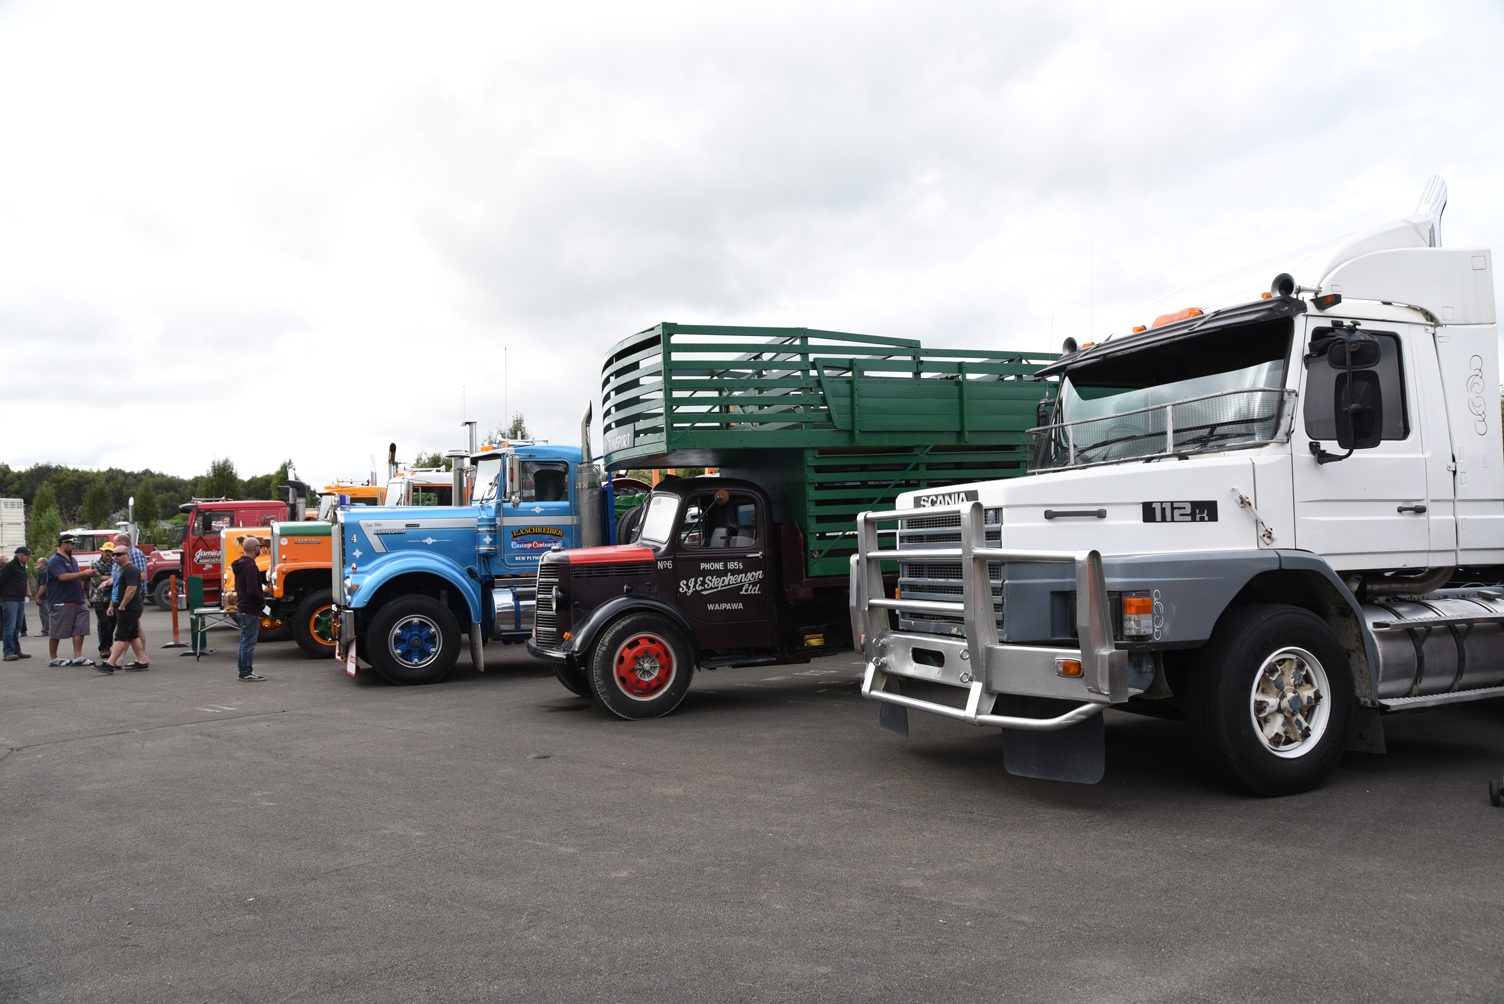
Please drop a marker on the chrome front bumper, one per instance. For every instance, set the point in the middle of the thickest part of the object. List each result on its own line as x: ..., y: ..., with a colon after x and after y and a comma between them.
x: 979, y: 662
x: 346, y: 633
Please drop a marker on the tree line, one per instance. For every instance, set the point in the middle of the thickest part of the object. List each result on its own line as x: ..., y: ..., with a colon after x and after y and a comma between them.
x: 58, y: 497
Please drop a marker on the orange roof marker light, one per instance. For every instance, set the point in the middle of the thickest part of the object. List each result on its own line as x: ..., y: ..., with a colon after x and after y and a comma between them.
x: 1179, y: 315
x: 1137, y: 328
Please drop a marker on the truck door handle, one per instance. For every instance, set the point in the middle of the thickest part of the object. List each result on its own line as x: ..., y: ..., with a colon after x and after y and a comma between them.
x: 1411, y: 508
x: 1074, y: 513
x: 755, y: 554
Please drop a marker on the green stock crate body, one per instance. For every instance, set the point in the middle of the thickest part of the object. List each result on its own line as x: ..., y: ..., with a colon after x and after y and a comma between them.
x: 829, y: 423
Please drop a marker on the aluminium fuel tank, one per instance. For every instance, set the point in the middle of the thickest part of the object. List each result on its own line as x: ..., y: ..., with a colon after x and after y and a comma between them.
x: 1446, y: 641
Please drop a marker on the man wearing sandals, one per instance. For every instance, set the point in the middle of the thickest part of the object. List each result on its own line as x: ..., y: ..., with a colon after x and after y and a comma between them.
x: 138, y: 559
x: 70, y: 614
x: 126, y: 609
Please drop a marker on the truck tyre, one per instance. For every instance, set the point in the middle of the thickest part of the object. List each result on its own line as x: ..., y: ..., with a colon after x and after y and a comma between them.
x: 627, y: 524
x: 640, y: 667
x: 271, y: 630
x: 413, y: 639
x: 313, y: 626
x: 574, y: 679
x: 161, y: 593
x: 1269, y: 702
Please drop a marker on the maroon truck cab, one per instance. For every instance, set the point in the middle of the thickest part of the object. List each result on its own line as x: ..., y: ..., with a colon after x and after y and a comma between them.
x: 202, y: 560
x: 703, y: 586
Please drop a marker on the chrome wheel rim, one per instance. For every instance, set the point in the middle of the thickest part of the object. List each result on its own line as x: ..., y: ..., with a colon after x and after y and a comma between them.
x: 1288, y: 703
x: 414, y: 641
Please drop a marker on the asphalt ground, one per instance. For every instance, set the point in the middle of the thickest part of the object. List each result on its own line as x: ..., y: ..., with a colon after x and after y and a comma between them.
x: 178, y: 835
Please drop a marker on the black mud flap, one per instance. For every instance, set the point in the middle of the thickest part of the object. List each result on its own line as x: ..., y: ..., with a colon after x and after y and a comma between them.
x: 1077, y: 754
x: 893, y: 717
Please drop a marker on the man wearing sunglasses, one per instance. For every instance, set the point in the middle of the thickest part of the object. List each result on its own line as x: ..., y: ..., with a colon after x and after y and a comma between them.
x: 126, y: 609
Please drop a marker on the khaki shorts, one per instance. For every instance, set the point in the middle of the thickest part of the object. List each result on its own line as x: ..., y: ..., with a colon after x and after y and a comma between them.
x: 69, y: 620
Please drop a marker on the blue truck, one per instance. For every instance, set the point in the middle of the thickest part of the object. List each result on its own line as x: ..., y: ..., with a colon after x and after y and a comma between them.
x: 413, y: 584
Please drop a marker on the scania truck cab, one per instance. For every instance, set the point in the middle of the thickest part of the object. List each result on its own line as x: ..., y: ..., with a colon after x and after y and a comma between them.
x: 1279, y: 520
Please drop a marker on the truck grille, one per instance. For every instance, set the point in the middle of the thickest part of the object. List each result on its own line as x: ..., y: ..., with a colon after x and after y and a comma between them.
x: 545, y: 617
x: 617, y: 570
x: 941, y: 580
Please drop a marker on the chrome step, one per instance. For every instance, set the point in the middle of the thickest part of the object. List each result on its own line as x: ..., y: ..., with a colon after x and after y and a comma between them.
x: 1432, y: 622
x: 1432, y: 700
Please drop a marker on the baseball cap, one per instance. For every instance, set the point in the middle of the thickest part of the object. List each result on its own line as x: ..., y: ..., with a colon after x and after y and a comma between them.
x: 108, y: 545
x: 66, y: 538
x: 23, y: 549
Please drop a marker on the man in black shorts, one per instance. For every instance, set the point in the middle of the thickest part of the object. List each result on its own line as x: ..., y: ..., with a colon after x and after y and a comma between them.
x: 126, y: 609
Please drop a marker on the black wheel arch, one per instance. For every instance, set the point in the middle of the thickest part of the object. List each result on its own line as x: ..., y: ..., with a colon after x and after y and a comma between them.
x: 1305, y: 581
x: 614, y: 609
x: 304, y: 581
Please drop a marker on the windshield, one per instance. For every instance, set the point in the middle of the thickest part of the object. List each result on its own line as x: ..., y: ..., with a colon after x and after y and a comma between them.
x: 658, y: 520
x: 1220, y: 390
x: 487, y: 478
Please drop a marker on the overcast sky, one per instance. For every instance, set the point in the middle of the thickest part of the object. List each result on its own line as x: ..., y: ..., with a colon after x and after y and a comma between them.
x: 308, y: 229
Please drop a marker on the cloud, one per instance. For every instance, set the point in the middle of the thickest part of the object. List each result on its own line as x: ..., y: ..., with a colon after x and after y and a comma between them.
x: 308, y: 231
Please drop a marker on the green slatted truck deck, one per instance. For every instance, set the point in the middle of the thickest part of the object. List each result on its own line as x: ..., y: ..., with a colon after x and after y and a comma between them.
x: 830, y: 423
x: 809, y: 428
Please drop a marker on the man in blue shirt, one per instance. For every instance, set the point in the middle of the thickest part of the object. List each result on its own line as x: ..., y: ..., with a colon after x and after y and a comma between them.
x: 70, y: 614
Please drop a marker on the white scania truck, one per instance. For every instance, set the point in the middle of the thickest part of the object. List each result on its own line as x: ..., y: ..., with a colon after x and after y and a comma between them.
x: 1280, y: 520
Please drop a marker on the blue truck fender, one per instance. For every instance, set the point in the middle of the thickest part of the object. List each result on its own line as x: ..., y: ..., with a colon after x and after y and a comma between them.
x: 399, y: 565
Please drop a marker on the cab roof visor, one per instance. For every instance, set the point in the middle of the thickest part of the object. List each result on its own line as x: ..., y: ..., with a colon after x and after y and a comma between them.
x: 1194, y: 327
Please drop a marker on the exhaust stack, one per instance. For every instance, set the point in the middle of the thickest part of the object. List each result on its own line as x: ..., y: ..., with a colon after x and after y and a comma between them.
x: 457, y: 470
x: 587, y: 489
x: 585, y: 433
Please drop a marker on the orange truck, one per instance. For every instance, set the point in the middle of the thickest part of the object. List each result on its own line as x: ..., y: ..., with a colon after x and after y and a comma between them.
x: 296, y: 557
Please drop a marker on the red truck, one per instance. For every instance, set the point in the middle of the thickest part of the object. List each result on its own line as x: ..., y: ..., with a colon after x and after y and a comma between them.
x: 202, y: 560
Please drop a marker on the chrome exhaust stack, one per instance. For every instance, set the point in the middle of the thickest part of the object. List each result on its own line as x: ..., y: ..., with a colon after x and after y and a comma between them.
x: 457, y: 460
x: 587, y: 489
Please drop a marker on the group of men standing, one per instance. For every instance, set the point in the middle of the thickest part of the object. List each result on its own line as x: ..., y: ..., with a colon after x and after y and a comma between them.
x: 113, y: 586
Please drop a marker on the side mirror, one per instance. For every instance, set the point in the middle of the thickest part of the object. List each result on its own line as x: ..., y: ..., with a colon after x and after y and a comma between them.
x: 513, y: 491
x: 1359, y: 407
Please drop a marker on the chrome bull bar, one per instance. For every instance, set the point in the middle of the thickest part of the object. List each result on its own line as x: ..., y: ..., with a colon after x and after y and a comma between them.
x: 980, y: 661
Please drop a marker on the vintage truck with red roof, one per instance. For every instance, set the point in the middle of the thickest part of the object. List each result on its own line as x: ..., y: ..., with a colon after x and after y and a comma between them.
x: 809, y: 428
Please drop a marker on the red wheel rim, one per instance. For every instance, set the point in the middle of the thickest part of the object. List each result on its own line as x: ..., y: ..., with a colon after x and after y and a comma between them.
x: 644, y: 666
